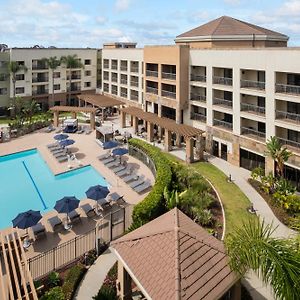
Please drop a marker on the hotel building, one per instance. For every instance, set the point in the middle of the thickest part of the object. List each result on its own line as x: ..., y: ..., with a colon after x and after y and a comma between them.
x: 238, y: 82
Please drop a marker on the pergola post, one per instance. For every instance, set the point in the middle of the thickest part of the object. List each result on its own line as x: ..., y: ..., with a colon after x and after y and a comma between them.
x: 150, y: 132
x: 168, y: 140
x: 131, y: 120
x: 135, y: 124
x: 123, y: 119
x: 189, y: 150
x: 178, y: 140
x: 55, y: 118
x: 92, y: 120
x: 200, y: 147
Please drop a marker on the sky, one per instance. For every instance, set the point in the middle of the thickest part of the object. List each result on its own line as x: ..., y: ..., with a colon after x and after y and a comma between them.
x: 90, y: 23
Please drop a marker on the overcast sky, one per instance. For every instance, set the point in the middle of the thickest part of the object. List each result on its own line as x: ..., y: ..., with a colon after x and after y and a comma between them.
x: 90, y: 23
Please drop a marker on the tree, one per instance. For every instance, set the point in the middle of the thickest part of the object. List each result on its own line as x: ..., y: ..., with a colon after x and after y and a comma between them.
x: 53, y: 63
x: 71, y: 62
x: 14, y: 67
x: 278, y: 153
x: 30, y: 109
x: 276, y: 261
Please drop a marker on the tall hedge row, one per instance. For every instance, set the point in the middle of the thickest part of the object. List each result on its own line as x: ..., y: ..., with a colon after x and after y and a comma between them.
x: 153, y: 205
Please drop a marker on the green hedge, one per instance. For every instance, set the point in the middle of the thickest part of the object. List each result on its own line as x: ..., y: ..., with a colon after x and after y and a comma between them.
x: 153, y: 205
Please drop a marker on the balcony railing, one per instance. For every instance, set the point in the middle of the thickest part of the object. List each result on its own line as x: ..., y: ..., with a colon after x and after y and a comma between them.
x: 39, y: 67
x: 134, y: 97
x: 40, y: 79
x: 124, y: 95
x: 289, y: 143
x: 106, y: 78
x: 222, y: 80
x: 253, y: 84
x: 253, y: 132
x: 134, y: 69
x: 223, y: 124
x: 106, y: 66
x: 253, y: 108
x: 114, y: 92
x: 168, y: 94
x: 114, y: 67
x: 151, y: 73
x: 114, y: 79
x: 198, y: 97
x: 73, y: 89
x: 221, y: 101
x: 152, y: 90
x: 40, y: 92
x: 288, y: 116
x: 170, y: 76
x: 198, y: 117
x: 74, y: 77
x: 123, y: 81
x: 287, y: 89
x: 123, y: 68
x: 201, y: 78
x: 134, y: 83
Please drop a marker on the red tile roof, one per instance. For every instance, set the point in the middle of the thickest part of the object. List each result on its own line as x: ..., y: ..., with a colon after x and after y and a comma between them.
x: 174, y: 258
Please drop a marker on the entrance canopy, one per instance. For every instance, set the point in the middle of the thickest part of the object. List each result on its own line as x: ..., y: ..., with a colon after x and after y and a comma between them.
x: 170, y: 125
x: 100, y: 100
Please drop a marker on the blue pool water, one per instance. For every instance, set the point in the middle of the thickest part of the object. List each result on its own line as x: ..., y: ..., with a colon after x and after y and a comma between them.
x: 26, y: 182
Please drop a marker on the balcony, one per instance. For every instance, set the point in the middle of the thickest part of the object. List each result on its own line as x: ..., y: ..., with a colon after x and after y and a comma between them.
x: 290, y: 143
x: 287, y: 89
x: 250, y: 84
x: 170, y: 76
x: 168, y: 94
x: 222, y: 80
x: 74, y: 77
x: 222, y: 102
x: 114, y: 79
x: 73, y: 89
x: 106, y: 65
x: 3, y: 77
x: 201, y: 78
x: 198, y: 117
x: 124, y: 95
x: 259, y: 135
x: 287, y: 116
x: 223, y: 124
x: 106, y: 78
x: 253, y: 108
x: 40, y: 92
x: 198, y: 97
x: 150, y: 73
x: 123, y: 81
x: 40, y: 66
x: 152, y: 90
x: 114, y: 67
x: 40, y: 79
x: 134, y: 69
x: 124, y: 68
x: 134, y: 83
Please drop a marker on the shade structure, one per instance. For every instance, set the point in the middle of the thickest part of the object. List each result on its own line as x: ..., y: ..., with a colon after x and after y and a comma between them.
x: 61, y: 137
x: 27, y: 219
x: 97, y: 192
x: 65, y: 143
x: 66, y: 204
x: 120, y: 151
x: 110, y: 144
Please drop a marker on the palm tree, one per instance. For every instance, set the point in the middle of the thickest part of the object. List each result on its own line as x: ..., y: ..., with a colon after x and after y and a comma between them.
x: 71, y: 62
x: 276, y: 261
x: 278, y: 153
x: 53, y: 63
x: 30, y: 109
x: 13, y: 68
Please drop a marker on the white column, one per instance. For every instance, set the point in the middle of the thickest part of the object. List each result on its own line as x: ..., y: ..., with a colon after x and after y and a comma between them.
x: 236, y: 101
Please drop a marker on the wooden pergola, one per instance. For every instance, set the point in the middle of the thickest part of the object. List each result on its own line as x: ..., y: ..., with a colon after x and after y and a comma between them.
x: 99, y: 100
x: 170, y: 126
x: 15, y: 278
x: 74, y: 110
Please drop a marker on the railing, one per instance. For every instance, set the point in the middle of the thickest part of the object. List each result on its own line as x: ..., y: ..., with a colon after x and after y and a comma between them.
x: 288, y: 115
x: 74, y: 77
x: 287, y: 89
x: 253, y: 84
x: 114, y: 92
x: 151, y: 73
x: 109, y: 228
x: 152, y: 90
x: 221, y: 101
x: 201, y: 78
x: 250, y: 131
x: 134, y: 83
x: 123, y: 81
x: 252, y: 107
x: 222, y: 80
x: 123, y: 68
x: 198, y: 97
x: 289, y: 143
x: 171, y: 76
x: 114, y: 79
x: 106, y: 66
x: 40, y: 92
x: 134, y: 69
x: 39, y: 67
x: 168, y: 94
x: 34, y: 80
x: 73, y: 89
x: 106, y: 78
x: 124, y: 95
x: 114, y: 67
x: 224, y: 124
x: 134, y: 97
x: 198, y: 117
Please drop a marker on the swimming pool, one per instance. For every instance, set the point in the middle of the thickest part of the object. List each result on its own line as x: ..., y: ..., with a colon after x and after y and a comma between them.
x: 26, y: 182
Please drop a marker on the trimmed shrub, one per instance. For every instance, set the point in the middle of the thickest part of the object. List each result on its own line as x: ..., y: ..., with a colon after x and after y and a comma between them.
x: 153, y: 205
x: 55, y: 293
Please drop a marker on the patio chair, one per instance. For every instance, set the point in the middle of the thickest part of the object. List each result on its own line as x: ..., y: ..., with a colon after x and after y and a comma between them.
x: 136, y: 183
x: 103, y: 204
x: 115, y: 198
x: 62, y: 158
x: 53, y: 149
x: 39, y: 231
x: 53, y: 145
x: 104, y: 156
x: 60, y: 154
x: 55, y: 223
x: 113, y: 164
x: 143, y: 187
x: 124, y: 172
x: 88, y: 209
x: 119, y: 168
x: 61, y: 150
x: 74, y: 217
x: 130, y: 177
x: 108, y: 160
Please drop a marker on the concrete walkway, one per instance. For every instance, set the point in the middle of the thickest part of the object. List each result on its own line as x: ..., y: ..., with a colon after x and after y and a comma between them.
x: 95, y: 276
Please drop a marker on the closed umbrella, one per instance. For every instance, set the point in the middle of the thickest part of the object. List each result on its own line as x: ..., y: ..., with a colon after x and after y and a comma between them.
x: 65, y: 143
x: 61, y: 137
x: 120, y: 151
x: 110, y: 144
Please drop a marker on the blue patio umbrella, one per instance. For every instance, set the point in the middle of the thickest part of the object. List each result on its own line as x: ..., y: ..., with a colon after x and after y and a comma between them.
x: 120, y: 151
x: 97, y: 192
x: 26, y: 219
x: 61, y: 137
x: 66, y: 204
x: 65, y: 143
x: 110, y: 144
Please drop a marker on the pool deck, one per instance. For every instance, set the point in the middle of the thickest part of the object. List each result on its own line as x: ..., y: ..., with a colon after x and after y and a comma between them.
x: 87, y: 151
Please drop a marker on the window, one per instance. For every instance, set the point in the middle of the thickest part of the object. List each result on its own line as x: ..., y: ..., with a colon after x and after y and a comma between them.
x: 3, y: 77
x: 56, y: 74
x: 87, y: 84
x: 20, y: 90
x: 3, y: 64
x: 87, y: 62
x: 106, y: 87
x: 56, y: 87
x: 3, y: 91
x: 21, y: 63
x: 87, y: 73
x: 20, y: 76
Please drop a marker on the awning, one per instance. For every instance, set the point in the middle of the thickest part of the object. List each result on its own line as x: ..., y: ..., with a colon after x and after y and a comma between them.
x: 100, y: 100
